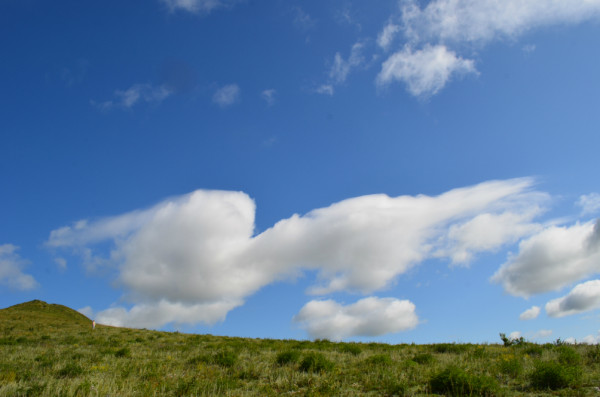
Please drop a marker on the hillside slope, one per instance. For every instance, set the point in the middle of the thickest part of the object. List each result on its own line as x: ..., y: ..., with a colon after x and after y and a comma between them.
x: 36, y: 315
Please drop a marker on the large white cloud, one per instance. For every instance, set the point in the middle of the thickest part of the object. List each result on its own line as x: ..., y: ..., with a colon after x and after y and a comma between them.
x: 327, y: 319
x: 425, y: 71
x: 552, y: 259
x: 11, y: 269
x: 199, y: 250
x: 584, y: 297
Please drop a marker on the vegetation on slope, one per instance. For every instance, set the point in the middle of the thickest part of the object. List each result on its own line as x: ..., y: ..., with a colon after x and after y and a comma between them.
x: 51, y: 350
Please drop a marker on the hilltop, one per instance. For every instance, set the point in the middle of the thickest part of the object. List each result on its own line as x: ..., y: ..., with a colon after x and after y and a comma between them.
x: 36, y: 316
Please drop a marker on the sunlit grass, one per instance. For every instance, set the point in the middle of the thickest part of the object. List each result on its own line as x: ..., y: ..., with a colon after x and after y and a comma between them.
x: 51, y: 351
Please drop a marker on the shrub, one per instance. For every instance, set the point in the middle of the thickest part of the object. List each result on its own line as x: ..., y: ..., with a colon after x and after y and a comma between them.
x: 315, y: 362
x: 351, y: 348
x: 287, y: 357
x: 70, y: 370
x: 593, y: 355
x: 454, y: 381
x: 568, y: 356
x: 423, y: 358
x: 123, y: 352
x: 533, y: 350
x: 225, y: 358
x: 379, y: 359
x: 553, y: 376
x: 510, y: 365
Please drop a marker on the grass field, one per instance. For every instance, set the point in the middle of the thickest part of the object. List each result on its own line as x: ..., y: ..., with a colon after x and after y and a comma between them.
x: 51, y: 350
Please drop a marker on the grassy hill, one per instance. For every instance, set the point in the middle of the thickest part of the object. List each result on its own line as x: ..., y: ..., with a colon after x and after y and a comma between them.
x: 51, y: 350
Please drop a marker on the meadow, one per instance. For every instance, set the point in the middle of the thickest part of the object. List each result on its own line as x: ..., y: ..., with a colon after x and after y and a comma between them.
x: 51, y: 350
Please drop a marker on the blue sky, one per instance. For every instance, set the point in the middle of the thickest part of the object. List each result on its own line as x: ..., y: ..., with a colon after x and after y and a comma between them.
x: 394, y: 171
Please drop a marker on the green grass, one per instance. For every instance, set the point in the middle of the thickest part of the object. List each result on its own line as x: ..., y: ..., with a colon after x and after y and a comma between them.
x: 51, y: 350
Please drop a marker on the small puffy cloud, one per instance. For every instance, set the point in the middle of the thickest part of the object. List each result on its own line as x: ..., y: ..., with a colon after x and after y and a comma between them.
x: 126, y: 99
x: 327, y: 319
x: 514, y: 335
x: 387, y: 35
x: 426, y: 71
x: 530, y: 314
x: 11, y: 269
x: 195, y: 6
x: 227, y: 95
x: 592, y: 339
x: 197, y: 254
x: 584, y: 297
x: 589, y: 203
x: 269, y: 96
x: 552, y: 259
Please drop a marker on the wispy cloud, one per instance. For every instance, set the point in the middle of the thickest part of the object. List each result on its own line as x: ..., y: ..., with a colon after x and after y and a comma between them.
x: 434, y: 33
x: 137, y: 93
x: 227, y: 95
x: 194, y: 258
x: 341, y: 68
x: 11, y: 269
x: 196, y: 6
x: 589, y: 203
x: 372, y: 316
x: 269, y: 96
x: 303, y: 20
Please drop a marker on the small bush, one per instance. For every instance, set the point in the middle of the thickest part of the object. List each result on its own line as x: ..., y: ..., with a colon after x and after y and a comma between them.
x: 287, y: 357
x: 351, y: 348
x: 225, y: 358
x: 533, y: 350
x: 449, y: 348
x: 593, y: 355
x: 70, y: 370
x: 553, y: 376
x: 379, y: 359
x: 423, y: 358
x: 123, y: 352
x: 454, y: 381
x: 315, y: 362
x: 511, y: 366
x: 568, y: 356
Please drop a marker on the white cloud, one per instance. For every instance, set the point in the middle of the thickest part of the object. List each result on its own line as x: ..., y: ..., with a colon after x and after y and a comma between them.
x: 126, y: 99
x: 87, y: 311
x: 487, y: 20
x: 584, y: 297
x: 327, y: 319
x: 11, y: 269
x: 541, y: 334
x: 269, y: 96
x: 552, y: 259
x: 325, y: 89
x: 198, y: 253
x: 589, y: 203
x: 425, y: 72
x: 61, y: 262
x: 530, y: 314
x: 341, y: 68
x: 387, y: 35
x: 592, y: 339
x: 195, y: 6
x: 514, y: 335
x: 227, y: 95
x: 302, y: 19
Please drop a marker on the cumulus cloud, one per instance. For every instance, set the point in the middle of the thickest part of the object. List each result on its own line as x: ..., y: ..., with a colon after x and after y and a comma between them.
x: 197, y: 254
x: 584, y: 297
x: 126, y: 99
x: 530, y: 314
x: 11, y: 269
x: 327, y: 319
x: 589, y: 203
x: 227, y: 95
x: 552, y: 259
x: 426, y: 71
